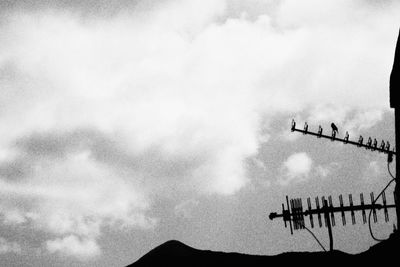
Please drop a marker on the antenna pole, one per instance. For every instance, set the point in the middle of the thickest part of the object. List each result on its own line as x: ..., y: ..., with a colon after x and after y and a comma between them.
x: 328, y: 222
x: 394, y: 87
x: 397, y: 187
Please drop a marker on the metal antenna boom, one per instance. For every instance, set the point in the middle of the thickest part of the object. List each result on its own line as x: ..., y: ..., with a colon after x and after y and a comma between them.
x: 371, y: 145
x: 294, y: 213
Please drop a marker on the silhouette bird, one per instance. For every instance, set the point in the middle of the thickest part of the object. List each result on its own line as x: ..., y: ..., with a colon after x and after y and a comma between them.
x: 334, y: 128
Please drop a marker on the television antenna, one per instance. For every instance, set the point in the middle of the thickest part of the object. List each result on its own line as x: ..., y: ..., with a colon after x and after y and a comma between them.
x: 294, y: 213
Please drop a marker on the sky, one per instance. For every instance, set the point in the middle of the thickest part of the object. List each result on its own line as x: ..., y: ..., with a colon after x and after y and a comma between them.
x: 125, y: 124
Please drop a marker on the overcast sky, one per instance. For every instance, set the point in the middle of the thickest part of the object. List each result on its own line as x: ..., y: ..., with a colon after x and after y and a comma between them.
x: 125, y: 124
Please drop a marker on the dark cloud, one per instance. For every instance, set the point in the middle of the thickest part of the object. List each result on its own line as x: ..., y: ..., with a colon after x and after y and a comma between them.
x: 15, y: 169
x: 103, y: 148
x: 58, y: 144
x: 87, y: 7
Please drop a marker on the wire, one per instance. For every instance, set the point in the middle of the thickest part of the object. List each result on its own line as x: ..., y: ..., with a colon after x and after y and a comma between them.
x: 374, y: 201
x: 390, y: 171
x: 314, y: 237
x: 370, y: 212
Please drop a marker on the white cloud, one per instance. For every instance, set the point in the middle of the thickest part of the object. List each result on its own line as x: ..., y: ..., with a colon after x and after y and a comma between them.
x: 297, y: 167
x: 74, y: 196
x: 195, y: 94
x: 152, y: 96
x: 73, y: 246
x: 9, y: 247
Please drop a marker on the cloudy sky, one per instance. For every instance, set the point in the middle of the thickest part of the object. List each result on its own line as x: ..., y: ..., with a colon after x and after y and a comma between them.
x: 125, y: 124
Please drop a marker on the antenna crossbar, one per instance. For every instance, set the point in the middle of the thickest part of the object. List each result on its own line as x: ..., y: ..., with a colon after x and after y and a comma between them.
x: 294, y: 213
x: 370, y: 144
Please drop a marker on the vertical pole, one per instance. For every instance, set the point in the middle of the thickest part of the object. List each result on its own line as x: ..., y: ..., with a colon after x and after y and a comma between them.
x: 394, y: 88
x: 397, y: 187
x: 328, y: 222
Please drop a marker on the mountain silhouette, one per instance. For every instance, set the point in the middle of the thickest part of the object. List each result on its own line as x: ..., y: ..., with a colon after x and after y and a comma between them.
x: 175, y: 253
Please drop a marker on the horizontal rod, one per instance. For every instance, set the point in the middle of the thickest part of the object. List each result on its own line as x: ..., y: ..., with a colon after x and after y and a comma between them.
x: 345, y: 141
x: 328, y: 209
x: 348, y: 208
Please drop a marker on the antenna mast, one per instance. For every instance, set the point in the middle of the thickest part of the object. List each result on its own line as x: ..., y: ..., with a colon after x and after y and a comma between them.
x: 394, y: 103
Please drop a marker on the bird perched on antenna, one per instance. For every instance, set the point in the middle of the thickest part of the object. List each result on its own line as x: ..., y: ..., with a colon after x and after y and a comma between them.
x: 334, y: 128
